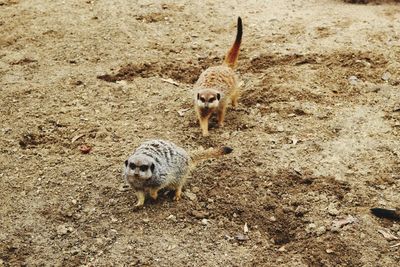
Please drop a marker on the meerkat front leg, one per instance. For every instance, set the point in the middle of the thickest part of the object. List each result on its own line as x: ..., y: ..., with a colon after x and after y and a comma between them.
x: 221, y: 115
x: 204, y: 125
x: 203, y: 121
x: 140, y: 196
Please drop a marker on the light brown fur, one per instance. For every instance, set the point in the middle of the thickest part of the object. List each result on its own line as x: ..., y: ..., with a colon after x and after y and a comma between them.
x: 217, y: 86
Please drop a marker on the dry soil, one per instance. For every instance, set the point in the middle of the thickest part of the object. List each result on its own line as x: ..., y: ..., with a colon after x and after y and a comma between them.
x: 315, y: 136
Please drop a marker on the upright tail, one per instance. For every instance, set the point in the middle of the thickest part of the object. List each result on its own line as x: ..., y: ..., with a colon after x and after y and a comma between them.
x: 232, y: 56
x: 201, y: 155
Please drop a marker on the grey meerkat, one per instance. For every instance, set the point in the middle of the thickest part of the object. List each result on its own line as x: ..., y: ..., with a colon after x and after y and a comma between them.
x: 158, y: 164
x: 217, y: 86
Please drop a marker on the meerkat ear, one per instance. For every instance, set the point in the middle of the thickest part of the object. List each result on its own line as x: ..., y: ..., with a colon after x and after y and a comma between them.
x: 218, y: 96
x: 198, y: 96
x: 126, y: 163
x: 152, y: 167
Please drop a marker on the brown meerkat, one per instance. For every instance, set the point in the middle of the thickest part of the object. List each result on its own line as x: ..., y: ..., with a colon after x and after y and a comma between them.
x: 158, y: 164
x: 217, y: 86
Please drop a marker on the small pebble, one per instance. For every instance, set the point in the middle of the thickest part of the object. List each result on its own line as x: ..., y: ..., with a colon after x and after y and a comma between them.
x: 204, y: 222
x: 353, y: 80
x: 171, y: 217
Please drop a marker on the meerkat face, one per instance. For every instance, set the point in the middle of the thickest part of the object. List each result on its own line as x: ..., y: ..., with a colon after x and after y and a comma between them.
x: 139, y: 167
x: 208, y: 99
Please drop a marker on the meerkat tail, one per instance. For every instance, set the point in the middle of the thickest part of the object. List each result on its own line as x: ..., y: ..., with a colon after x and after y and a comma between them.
x: 232, y: 56
x: 386, y: 213
x: 201, y: 155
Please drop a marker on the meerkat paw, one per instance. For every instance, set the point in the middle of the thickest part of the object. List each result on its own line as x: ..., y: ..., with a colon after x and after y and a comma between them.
x: 140, y: 196
x: 178, y: 194
x: 139, y: 204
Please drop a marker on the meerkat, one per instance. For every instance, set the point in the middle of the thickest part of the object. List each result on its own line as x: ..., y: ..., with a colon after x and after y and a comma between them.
x: 217, y: 86
x: 158, y: 164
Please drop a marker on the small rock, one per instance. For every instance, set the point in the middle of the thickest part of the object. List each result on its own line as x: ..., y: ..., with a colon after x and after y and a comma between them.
x: 171, y: 218
x: 204, y: 222
x: 353, y: 80
x: 329, y: 251
x: 199, y: 214
x: 190, y: 196
x: 195, y: 189
x: 63, y: 229
x: 321, y: 230
x: 272, y: 219
x: 311, y: 228
x: 122, y: 82
x: 332, y: 210
x: 386, y: 76
x: 280, y: 128
x: 282, y: 249
x: 245, y: 228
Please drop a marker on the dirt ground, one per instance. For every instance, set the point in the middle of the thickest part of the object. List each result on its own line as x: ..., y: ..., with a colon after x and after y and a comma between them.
x: 315, y: 137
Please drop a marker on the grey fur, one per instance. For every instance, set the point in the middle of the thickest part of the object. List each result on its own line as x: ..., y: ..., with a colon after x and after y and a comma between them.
x: 171, y: 166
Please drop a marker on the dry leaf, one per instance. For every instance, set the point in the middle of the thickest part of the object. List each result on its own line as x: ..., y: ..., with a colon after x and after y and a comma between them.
x: 388, y: 235
x: 181, y: 112
x: 169, y: 80
x: 85, y: 149
x: 77, y: 137
x: 241, y: 237
x: 337, y: 224
x: 396, y: 245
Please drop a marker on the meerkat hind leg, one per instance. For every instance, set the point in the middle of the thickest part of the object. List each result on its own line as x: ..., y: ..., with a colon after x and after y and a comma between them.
x: 154, y: 193
x: 178, y: 193
x: 234, y: 98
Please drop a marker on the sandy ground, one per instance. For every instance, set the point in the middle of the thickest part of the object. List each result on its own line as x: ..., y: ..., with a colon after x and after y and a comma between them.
x: 315, y: 136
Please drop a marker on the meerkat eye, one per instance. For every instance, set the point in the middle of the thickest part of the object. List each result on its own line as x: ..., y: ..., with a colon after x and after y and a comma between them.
x: 202, y: 99
x: 211, y: 99
x: 144, y: 168
x: 132, y: 165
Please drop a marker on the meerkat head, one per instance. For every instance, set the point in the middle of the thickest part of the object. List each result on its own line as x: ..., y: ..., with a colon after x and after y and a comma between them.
x: 208, y: 98
x: 139, y: 167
